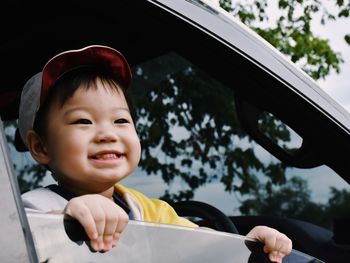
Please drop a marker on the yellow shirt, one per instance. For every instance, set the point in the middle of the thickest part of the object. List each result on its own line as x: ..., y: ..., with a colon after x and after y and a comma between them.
x: 151, y: 209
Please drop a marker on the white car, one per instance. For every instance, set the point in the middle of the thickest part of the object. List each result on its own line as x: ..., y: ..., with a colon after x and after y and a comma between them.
x: 224, y: 118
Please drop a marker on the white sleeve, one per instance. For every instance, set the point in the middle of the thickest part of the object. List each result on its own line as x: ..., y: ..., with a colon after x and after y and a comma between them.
x: 43, y: 200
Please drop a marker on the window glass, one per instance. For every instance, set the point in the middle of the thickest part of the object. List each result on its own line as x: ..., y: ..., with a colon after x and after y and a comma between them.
x: 194, y: 148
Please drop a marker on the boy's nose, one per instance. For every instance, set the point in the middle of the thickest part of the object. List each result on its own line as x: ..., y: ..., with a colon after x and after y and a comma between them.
x: 106, y: 135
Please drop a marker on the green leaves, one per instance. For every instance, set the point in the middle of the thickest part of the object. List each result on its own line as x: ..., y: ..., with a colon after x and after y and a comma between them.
x: 347, y: 39
x: 292, y: 34
x: 189, y: 131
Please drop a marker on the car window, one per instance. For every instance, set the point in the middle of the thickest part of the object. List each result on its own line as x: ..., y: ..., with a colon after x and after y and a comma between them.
x: 195, y: 148
x: 148, y: 242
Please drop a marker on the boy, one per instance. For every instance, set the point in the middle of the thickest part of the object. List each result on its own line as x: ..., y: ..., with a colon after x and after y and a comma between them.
x: 75, y: 119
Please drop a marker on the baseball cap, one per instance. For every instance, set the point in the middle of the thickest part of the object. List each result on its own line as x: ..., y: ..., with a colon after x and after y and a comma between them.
x: 37, y: 87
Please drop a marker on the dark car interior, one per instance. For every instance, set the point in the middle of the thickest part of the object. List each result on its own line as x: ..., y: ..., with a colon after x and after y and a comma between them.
x: 141, y: 30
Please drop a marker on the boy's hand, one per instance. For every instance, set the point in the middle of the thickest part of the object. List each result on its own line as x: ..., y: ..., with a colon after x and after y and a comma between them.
x: 101, y: 218
x: 276, y: 244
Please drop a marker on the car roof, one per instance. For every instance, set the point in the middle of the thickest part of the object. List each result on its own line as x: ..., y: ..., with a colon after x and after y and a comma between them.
x: 263, y: 79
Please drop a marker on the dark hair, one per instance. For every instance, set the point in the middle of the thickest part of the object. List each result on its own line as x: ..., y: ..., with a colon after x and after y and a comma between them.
x: 69, y: 83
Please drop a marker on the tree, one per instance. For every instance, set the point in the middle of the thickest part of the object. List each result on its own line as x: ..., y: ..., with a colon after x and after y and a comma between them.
x: 292, y: 34
x: 339, y: 203
x: 293, y: 200
x: 193, y: 141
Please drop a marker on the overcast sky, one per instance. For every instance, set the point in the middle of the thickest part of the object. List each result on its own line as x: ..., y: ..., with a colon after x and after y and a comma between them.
x: 336, y: 85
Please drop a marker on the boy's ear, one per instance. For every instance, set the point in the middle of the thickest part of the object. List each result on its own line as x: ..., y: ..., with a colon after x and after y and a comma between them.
x: 37, y: 148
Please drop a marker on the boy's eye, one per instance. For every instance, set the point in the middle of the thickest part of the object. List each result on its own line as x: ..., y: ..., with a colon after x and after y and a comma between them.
x: 82, y: 121
x: 119, y: 121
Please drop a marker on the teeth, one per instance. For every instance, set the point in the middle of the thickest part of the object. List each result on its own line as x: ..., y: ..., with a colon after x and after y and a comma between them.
x: 106, y: 156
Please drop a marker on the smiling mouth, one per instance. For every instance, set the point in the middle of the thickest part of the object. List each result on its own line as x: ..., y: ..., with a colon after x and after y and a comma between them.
x: 106, y: 156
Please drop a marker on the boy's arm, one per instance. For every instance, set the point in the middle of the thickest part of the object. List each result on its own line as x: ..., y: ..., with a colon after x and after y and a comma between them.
x: 276, y: 244
x: 102, y: 220
x: 43, y: 200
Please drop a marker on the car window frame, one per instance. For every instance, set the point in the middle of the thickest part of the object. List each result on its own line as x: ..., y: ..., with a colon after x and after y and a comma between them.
x: 17, y: 245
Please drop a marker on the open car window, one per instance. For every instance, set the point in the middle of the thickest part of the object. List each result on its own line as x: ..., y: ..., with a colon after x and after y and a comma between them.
x: 194, y: 143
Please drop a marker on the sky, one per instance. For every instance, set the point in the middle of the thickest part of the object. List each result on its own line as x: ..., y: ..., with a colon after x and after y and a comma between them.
x: 336, y: 85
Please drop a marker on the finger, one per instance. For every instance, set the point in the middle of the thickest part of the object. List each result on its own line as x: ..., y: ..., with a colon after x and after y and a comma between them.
x: 287, y: 246
x: 273, y: 256
x: 278, y: 247
x: 278, y: 242
x: 116, y: 220
x: 111, y: 221
x: 99, y: 217
x: 111, y: 218
x: 78, y: 210
x: 280, y: 257
x: 276, y: 256
x: 123, y: 220
x: 116, y: 238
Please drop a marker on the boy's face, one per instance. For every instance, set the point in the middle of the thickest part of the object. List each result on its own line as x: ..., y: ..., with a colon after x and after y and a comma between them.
x: 91, y: 141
